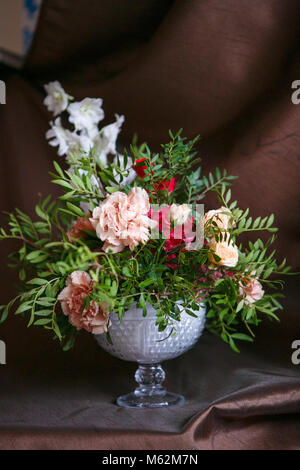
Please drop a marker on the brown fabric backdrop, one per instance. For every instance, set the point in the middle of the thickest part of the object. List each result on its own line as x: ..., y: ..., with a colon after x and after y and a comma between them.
x: 221, y: 69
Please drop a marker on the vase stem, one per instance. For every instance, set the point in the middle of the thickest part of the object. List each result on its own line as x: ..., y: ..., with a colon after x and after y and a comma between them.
x: 150, y: 392
x: 150, y: 378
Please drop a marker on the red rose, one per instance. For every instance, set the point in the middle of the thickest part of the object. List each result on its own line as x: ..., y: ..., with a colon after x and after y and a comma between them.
x: 180, y: 235
x: 140, y: 169
x: 169, y: 185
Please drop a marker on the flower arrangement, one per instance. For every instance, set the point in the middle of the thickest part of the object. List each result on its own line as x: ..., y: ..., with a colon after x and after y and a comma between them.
x: 130, y: 228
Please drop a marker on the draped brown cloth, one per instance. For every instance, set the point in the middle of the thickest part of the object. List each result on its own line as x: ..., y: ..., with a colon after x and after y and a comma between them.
x: 223, y: 69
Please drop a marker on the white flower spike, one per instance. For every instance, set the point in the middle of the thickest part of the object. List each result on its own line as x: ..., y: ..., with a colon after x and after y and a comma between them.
x: 57, y: 99
x: 58, y: 136
x: 106, y: 139
x: 86, y: 113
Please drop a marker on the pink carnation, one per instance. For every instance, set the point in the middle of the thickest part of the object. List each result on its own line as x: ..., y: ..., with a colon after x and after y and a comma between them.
x: 93, y: 318
x: 122, y: 220
x: 79, y: 228
x: 251, y: 290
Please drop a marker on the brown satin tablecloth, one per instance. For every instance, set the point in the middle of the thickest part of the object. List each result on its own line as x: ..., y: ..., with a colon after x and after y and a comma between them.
x: 219, y: 68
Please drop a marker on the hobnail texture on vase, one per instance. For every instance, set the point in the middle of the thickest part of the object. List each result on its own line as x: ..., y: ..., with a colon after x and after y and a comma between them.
x: 136, y: 338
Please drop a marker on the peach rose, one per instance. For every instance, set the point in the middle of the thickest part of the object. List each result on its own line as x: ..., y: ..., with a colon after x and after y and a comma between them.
x: 94, y: 318
x: 226, y: 250
x: 122, y: 220
x: 251, y: 290
x: 223, y: 221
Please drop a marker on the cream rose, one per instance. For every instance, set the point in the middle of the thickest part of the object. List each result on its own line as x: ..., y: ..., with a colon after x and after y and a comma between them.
x: 122, y: 220
x: 227, y: 252
x: 179, y: 213
x: 251, y: 290
x: 223, y: 220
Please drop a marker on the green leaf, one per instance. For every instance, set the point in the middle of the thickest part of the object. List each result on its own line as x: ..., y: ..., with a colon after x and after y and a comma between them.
x: 126, y: 272
x: 4, y: 315
x: 63, y: 183
x: 42, y: 321
x: 268, y: 272
x: 270, y: 220
x: 114, y: 289
x: 240, y: 305
x: 43, y: 313
x: 41, y: 213
x: 37, y: 281
x: 34, y: 254
x: 58, y: 169
x: 76, y: 210
x: 228, y: 196
x: 141, y: 303
x: 108, y: 337
x: 111, y: 189
x: 56, y: 329
x: 242, y: 337
x: 24, y: 307
x: 233, y: 345
x: 70, y: 343
x: 22, y: 274
x: 146, y: 283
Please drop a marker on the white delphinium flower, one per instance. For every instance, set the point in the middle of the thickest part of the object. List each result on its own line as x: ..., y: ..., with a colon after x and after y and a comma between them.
x: 57, y: 99
x: 86, y: 114
x: 105, y: 139
x: 78, y: 143
x: 58, y: 136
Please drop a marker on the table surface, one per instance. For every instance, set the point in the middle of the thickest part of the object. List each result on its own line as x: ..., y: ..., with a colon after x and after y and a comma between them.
x: 68, y: 402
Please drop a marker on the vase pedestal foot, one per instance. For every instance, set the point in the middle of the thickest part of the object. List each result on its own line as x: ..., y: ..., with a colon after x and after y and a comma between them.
x: 131, y: 400
x: 150, y: 393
